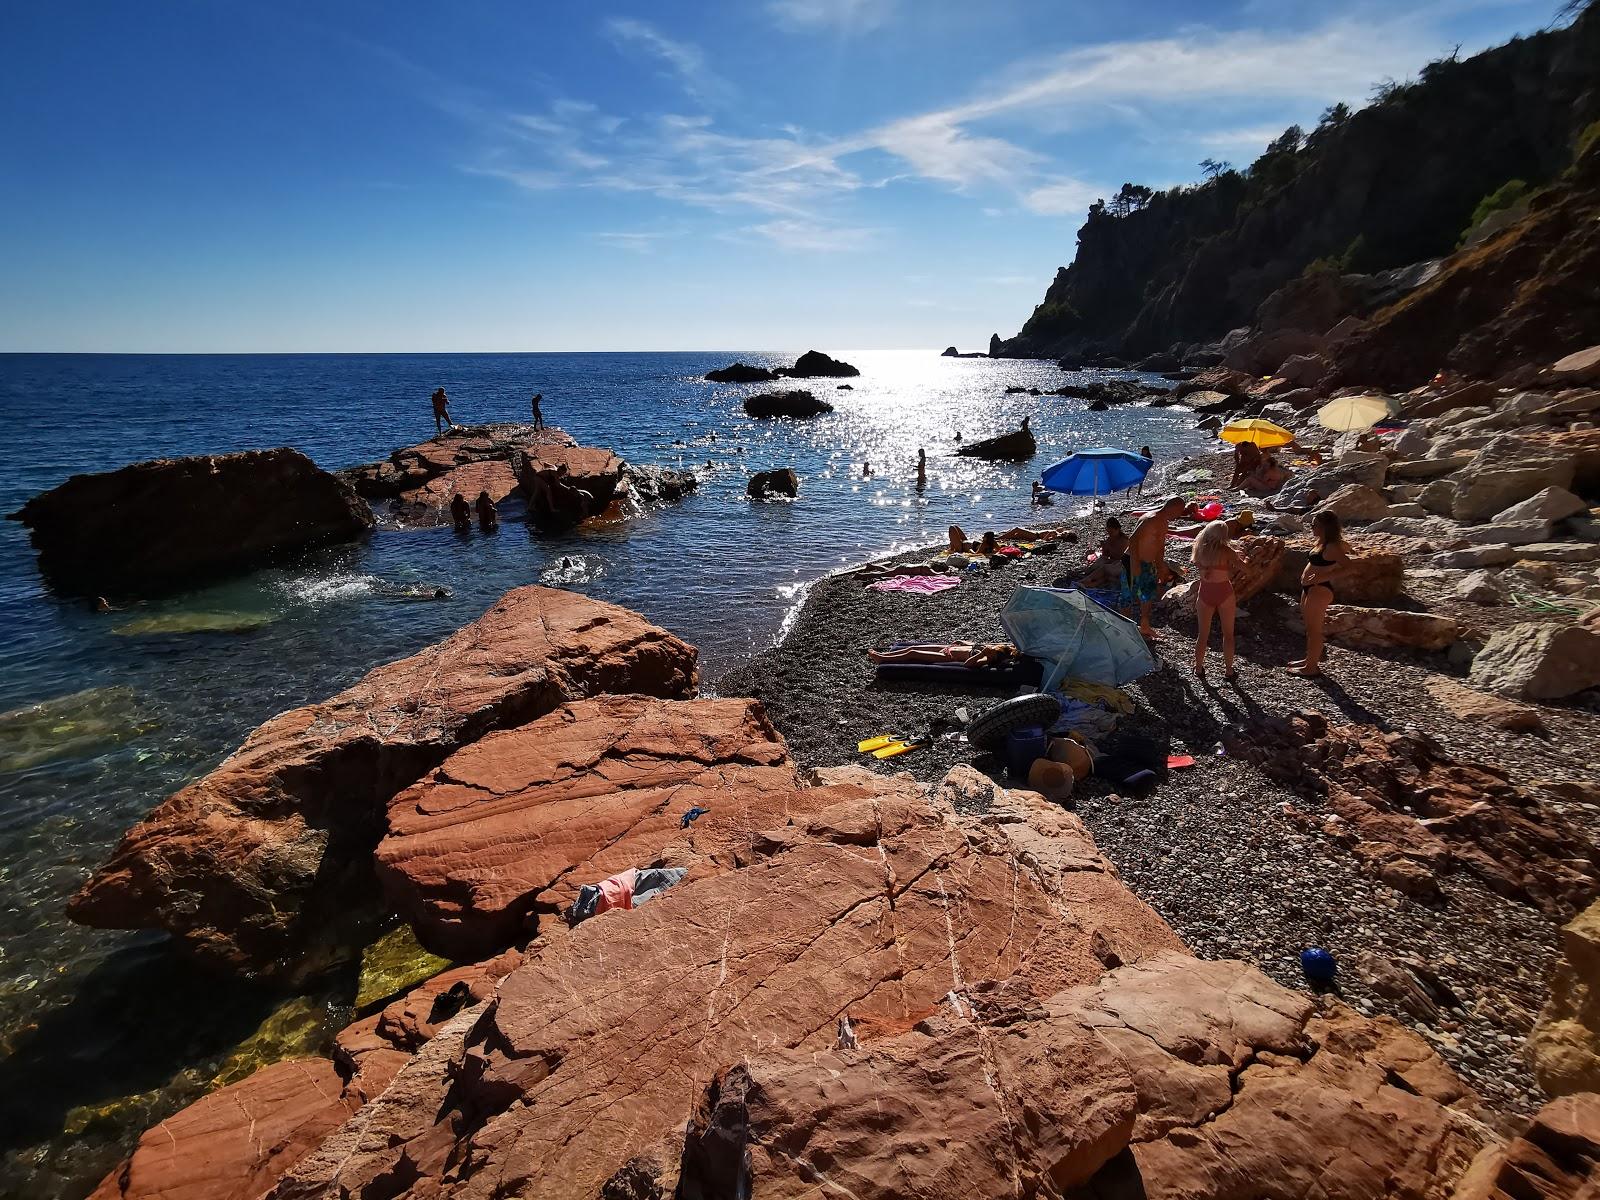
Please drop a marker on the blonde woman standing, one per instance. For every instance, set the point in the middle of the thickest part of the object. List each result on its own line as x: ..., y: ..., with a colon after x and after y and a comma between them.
x: 1215, y: 561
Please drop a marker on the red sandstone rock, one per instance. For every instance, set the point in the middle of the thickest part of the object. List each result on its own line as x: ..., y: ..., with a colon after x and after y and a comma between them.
x: 265, y: 865
x: 154, y: 526
x: 1374, y: 575
x: 567, y: 484
x: 1556, y: 1158
x: 235, y: 1143
x: 1410, y: 812
x: 509, y: 828
x: 586, y: 1064
x: 1244, y: 1091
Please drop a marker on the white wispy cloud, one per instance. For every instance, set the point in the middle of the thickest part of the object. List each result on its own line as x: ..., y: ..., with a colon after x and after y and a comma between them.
x: 638, y: 241
x: 844, y: 16
x: 684, y: 61
x: 812, y: 236
x: 1061, y: 198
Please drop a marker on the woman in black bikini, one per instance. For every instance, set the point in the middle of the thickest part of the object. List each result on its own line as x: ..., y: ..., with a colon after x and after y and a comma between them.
x: 1316, y: 588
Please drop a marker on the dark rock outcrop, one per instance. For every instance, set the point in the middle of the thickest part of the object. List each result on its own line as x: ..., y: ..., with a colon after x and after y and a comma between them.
x: 1017, y: 446
x: 1391, y: 185
x: 951, y: 352
x: 658, y: 485
x: 157, y: 526
x: 1412, y: 814
x: 742, y: 373
x: 1530, y: 294
x: 780, y: 482
x: 567, y: 484
x: 264, y: 866
x: 798, y: 403
x: 814, y: 364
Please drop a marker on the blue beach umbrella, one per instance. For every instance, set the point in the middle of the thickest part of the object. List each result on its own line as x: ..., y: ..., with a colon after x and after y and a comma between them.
x: 1096, y: 472
x: 1080, y: 637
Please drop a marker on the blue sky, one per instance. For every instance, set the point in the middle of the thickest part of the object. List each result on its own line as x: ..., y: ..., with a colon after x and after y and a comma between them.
x: 246, y: 175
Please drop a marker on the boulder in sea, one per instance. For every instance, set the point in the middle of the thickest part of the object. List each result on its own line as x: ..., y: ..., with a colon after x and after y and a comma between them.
x: 951, y: 352
x: 814, y: 364
x: 780, y: 482
x: 742, y: 373
x: 157, y: 526
x: 567, y: 484
x: 264, y: 866
x: 797, y: 403
x: 659, y: 485
x: 1016, y: 446
x: 1098, y: 406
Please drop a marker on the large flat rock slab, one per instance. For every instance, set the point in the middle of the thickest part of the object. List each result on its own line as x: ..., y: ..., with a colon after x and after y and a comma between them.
x: 157, y: 526
x: 505, y: 831
x: 264, y: 866
x: 586, y: 1064
x: 235, y: 1143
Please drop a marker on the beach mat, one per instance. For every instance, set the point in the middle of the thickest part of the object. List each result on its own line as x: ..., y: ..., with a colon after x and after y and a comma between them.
x: 1024, y: 671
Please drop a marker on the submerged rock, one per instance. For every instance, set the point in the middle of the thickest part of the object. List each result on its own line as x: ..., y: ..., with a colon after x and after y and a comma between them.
x: 156, y: 526
x: 73, y: 725
x: 265, y: 865
x: 163, y: 624
x: 394, y: 963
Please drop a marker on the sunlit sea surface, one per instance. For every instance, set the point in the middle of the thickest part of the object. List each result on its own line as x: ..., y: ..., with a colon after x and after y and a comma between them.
x: 101, y: 1034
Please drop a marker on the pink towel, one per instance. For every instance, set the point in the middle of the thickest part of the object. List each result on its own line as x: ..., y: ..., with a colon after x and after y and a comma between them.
x: 922, y: 585
x: 617, y: 892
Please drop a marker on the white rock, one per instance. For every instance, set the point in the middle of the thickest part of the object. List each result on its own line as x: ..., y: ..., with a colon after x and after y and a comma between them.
x: 1551, y: 504
x: 1357, y: 502
x: 1479, y: 587
x: 1476, y: 556
x: 1539, y: 661
x: 1506, y: 471
x: 1509, y: 533
x: 1560, y: 552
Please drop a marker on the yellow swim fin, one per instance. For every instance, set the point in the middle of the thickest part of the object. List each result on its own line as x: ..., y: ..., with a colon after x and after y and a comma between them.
x: 897, y: 748
x: 875, y: 743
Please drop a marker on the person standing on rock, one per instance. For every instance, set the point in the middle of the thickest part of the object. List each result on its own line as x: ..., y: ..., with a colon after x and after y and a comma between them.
x: 1316, y: 586
x: 538, y: 416
x: 441, y: 411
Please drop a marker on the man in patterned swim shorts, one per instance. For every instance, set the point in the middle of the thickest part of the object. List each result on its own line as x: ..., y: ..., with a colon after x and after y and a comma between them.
x: 1141, y: 565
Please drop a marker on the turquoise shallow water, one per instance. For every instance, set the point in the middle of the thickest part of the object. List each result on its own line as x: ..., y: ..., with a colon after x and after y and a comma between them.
x: 130, y: 714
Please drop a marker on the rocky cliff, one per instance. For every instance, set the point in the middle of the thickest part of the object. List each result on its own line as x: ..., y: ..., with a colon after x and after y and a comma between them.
x: 1392, y: 184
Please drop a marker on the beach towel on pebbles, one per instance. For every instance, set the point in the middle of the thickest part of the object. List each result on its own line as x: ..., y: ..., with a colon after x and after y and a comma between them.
x: 919, y: 585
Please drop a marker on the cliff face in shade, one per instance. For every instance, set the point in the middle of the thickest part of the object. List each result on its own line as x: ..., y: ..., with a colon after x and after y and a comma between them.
x: 1403, y: 176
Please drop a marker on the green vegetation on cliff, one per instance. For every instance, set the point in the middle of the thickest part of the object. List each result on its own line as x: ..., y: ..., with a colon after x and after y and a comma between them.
x: 1392, y: 184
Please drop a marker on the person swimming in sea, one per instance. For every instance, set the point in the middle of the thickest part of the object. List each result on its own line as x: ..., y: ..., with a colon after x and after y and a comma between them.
x: 460, y: 513
x: 488, y: 518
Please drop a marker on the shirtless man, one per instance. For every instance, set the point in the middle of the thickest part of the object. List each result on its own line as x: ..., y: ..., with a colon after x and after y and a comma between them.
x: 441, y: 411
x: 1141, y: 565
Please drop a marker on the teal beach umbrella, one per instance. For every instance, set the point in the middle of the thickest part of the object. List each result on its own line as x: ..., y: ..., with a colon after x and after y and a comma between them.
x: 1076, y: 636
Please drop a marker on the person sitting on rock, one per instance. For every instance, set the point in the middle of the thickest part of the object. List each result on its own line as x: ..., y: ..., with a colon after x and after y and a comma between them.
x: 460, y: 513
x: 1267, y: 478
x: 1246, y: 458
x: 1107, y: 568
x: 441, y: 411
x: 488, y: 518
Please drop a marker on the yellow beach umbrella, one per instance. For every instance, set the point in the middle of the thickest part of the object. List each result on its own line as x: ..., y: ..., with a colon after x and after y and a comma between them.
x: 1350, y: 413
x: 1262, y: 432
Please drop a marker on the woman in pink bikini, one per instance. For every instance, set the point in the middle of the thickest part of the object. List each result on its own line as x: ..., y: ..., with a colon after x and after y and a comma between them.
x: 1215, y: 560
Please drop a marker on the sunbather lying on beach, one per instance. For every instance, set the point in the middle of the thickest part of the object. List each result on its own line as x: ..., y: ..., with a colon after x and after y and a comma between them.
x: 881, y: 571
x: 969, y: 654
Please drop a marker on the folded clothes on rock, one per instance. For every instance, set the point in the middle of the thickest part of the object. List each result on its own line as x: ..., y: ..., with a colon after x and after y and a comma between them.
x: 626, y: 889
x: 922, y: 585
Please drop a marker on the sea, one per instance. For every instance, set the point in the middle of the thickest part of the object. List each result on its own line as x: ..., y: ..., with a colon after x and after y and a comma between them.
x: 104, y: 714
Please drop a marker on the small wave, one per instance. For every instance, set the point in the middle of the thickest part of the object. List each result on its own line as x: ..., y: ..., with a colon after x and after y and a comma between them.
x: 572, y: 568
x: 327, y: 589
